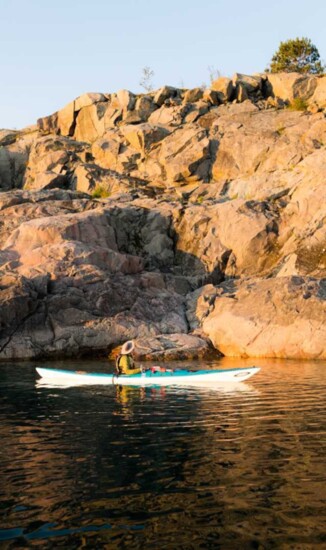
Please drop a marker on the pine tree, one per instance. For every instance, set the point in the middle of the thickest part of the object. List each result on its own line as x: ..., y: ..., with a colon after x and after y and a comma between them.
x: 298, y: 55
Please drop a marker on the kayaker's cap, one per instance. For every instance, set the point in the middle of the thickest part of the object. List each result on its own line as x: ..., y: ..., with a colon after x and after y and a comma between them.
x: 127, y: 347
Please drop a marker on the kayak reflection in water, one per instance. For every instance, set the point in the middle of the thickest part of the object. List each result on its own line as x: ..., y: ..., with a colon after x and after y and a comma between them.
x: 128, y: 396
x: 124, y: 363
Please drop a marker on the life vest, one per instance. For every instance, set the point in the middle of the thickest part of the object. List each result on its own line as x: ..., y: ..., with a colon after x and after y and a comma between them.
x: 124, y: 364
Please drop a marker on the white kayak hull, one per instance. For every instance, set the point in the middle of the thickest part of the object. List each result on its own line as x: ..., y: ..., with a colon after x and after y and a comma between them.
x: 170, y: 378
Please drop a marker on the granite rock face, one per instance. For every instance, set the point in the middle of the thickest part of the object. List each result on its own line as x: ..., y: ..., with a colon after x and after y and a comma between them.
x: 189, y: 220
x: 282, y: 318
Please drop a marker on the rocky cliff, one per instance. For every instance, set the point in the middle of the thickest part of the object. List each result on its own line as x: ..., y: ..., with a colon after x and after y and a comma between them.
x: 189, y: 220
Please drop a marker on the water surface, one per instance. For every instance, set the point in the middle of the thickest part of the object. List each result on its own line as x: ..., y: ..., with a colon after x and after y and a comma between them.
x: 112, y: 467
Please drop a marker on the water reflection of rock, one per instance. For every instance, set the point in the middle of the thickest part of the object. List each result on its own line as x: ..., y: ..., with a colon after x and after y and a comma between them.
x: 241, y: 466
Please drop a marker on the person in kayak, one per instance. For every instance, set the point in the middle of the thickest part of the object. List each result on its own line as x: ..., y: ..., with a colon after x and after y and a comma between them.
x: 124, y: 363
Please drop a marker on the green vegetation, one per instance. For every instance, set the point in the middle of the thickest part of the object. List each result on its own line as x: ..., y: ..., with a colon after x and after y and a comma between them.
x: 100, y: 192
x: 298, y: 104
x: 280, y: 130
x: 298, y: 55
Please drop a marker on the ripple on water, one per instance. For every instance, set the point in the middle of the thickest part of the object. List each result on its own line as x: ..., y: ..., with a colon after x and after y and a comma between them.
x: 165, y: 468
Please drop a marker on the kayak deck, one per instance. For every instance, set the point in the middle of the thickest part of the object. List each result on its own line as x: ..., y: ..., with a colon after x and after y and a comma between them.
x: 162, y: 378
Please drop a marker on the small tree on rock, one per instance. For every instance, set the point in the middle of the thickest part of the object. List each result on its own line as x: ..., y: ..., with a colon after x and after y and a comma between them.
x: 146, y: 79
x: 298, y: 55
x: 213, y: 73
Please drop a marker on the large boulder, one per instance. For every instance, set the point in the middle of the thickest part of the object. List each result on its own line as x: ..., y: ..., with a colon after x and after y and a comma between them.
x: 193, y: 95
x: 297, y: 145
x: 252, y: 84
x: 211, y: 97
x: 85, y: 100
x: 20, y: 206
x: 66, y: 120
x: 253, y: 141
x: 289, y: 86
x: 233, y: 238
x: 247, y: 86
x: 49, y: 180
x: 170, y: 347
x: 14, y: 153
x: 143, y: 136
x: 66, y: 245
x: 196, y: 110
x: 50, y: 160
x: 269, y: 318
x: 13, y: 160
x: 89, y: 177
x: 90, y: 122
x: 63, y: 122
x: 144, y: 106
x: 86, y: 227
x: 126, y: 100
x: 225, y: 88
x: 100, y: 182
x: 184, y: 155
x: 113, y: 114
x: 302, y: 235
x: 48, y: 124
x: 169, y: 115
x: 106, y: 149
x: 319, y: 96
x: 114, y: 151
x: 165, y: 93
x: 145, y: 232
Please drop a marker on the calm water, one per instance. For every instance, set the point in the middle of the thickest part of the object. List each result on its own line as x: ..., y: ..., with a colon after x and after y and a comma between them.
x: 106, y: 467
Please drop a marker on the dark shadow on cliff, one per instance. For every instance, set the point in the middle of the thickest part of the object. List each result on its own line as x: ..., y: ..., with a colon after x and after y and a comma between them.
x: 149, y: 234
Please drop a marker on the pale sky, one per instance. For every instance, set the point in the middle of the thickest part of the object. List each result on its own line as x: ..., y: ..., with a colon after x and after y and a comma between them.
x: 54, y: 50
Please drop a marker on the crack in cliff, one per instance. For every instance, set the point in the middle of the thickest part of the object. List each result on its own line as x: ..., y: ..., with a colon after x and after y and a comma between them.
x: 20, y: 325
x: 258, y: 334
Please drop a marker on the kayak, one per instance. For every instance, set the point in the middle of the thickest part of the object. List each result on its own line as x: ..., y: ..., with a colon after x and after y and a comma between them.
x: 156, y: 376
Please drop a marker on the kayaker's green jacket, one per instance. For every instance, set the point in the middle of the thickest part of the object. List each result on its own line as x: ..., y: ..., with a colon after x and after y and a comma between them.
x: 125, y: 365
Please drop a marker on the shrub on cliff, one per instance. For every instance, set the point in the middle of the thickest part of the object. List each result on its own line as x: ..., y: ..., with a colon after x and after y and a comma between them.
x: 100, y: 192
x: 298, y: 55
x: 298, y: 104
